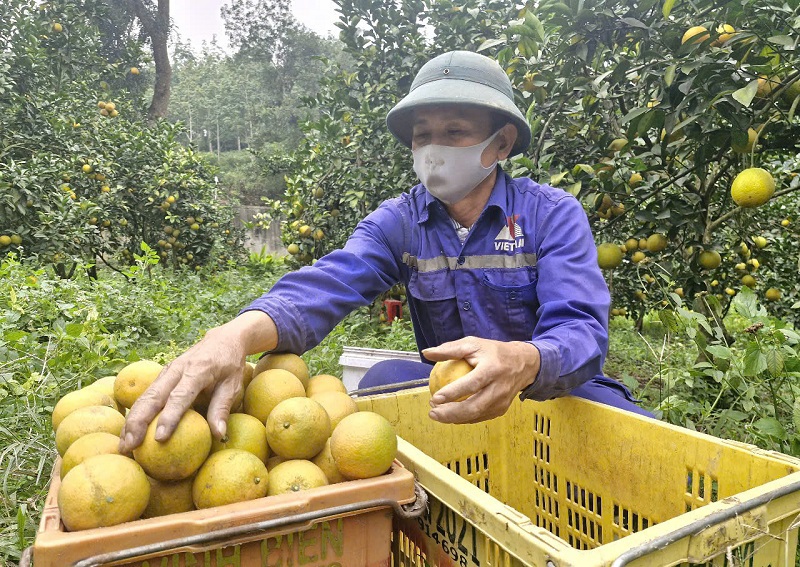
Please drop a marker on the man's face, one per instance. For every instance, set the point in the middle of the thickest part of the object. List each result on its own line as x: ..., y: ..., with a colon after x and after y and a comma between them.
x: 450, y: 125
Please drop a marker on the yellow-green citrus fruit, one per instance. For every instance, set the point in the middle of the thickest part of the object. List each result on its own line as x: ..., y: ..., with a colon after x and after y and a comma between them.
x: 760, y: 241
x: 324, y: 460
x: 656, y: 242
x: 446, y: 372
x: 726, y: 32
x: 295, y: 475
x: 338, y: 405
x: 87, y: 420
x: 268, y: 389
x: 748, y: 146
x: 773, y: 294
x: 638, y: 256
x: 105, y: 490
x: 134, y: 379
x: 79, y: 399
x: 709, y: 259
x: 179, y: 456
x: 695, y: 34
x: 631, y: 245
x: 284, y: 361
x: 297, y: 428
x: 169, y: 497
x: 229, y: 476
x: 91, y: 445
x: 749, y: 281
x: 274, y: 461
x: 244, y: 432
x: 752, y: 187
x: 363, y: 445
x: 609, y: 256
x: 324, y: 383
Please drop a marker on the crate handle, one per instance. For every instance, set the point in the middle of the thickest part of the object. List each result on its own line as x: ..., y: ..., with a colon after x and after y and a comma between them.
x: 405, y: 511
x: 703, y: 524
x: 739, y: 529
x: 387, y: 388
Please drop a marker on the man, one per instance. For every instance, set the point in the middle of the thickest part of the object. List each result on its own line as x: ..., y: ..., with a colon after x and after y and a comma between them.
x: 501, y: 272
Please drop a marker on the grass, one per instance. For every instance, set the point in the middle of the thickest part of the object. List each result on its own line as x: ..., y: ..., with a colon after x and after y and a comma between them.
x: 58, y: 335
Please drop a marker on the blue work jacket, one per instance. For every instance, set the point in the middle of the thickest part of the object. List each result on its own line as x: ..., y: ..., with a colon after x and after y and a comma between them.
x: 527, y: 271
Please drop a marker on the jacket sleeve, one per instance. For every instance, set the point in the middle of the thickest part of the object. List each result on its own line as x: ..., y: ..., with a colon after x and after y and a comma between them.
x: 308, y: 303
x: 572, y: 329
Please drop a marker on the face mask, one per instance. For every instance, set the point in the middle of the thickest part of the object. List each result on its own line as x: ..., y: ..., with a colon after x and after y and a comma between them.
x: 450, y: 173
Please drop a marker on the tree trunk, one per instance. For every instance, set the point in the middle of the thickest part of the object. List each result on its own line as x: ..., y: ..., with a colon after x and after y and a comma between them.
x: 156, y: 26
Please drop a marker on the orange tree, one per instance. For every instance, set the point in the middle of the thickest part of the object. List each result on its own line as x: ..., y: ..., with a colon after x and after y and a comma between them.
x: 348, y: 162
x: 82, y: 178
x: 646, y: 128
x: 648, y: 115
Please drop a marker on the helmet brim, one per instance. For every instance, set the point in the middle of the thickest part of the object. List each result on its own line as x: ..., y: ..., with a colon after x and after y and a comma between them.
x: 456, y: 91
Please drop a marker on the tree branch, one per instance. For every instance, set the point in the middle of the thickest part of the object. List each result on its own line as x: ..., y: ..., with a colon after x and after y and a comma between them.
x: 715, y: 224
x: 540, y: 144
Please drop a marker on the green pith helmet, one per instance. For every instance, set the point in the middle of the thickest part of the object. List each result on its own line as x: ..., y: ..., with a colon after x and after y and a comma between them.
x: 460, y: 77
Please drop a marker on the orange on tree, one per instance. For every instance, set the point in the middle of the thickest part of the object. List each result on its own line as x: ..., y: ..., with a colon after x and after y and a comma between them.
x: 746, y: 148
x: 709, y: 259
x: 656, y: 242
x: 609, y: 256
x: 752, y: 187
x: 695, y: 34
x: 773, y: 294
x: 726, y: 32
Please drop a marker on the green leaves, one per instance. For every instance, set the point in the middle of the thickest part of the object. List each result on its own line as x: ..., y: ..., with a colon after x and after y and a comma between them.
x: 746, y: 94
x: 666, y: 9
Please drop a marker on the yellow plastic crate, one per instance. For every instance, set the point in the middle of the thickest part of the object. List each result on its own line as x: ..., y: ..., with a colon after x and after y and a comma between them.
x: 574, y: 483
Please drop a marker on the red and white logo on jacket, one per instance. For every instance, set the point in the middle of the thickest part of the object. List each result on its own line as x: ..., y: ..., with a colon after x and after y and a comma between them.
x: 510, y: 237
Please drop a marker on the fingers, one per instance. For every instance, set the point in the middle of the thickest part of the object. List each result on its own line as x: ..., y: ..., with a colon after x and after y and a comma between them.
x: 462, y: 348
x: 147, y: 406
x: 221, y: 404
x: 180, y: 401
x: 467, y: 385
x: 479, y: 407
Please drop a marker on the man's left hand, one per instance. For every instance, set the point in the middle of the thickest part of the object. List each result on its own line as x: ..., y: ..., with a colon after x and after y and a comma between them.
x: 501, y: 371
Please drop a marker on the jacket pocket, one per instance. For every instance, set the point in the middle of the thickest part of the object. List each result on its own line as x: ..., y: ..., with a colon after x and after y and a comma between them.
x: 434, y: 295
x: 511, y: 296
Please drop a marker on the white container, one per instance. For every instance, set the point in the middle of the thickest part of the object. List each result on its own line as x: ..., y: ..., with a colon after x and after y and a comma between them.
x: 356, y: 360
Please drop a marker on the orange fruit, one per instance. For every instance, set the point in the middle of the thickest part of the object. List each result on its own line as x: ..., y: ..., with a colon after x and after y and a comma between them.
x: 445, y: 372
x: 363, y: 445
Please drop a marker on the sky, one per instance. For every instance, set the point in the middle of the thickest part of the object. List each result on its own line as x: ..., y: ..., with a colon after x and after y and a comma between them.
x: 199, y: 20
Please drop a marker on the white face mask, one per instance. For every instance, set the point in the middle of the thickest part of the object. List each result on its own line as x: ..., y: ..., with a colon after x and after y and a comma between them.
x: 450, y: 173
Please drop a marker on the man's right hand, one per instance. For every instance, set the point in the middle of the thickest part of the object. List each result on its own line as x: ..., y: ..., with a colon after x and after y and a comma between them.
x: 217, y: 362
